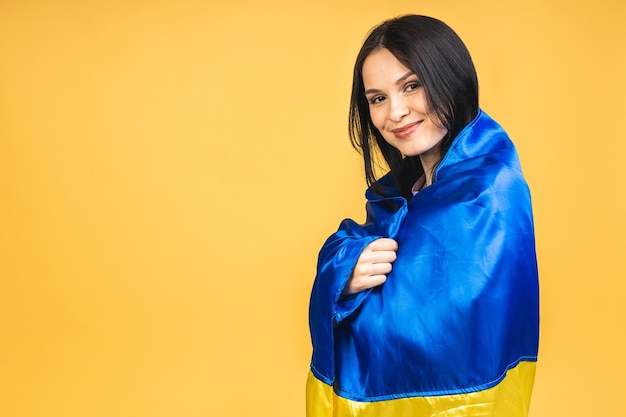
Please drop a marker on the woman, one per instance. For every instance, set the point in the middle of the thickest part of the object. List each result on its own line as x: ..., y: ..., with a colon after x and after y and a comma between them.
x: 431, y: 306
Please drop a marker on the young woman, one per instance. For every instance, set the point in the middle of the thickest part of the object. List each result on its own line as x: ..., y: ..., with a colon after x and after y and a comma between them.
x: 429, y: 308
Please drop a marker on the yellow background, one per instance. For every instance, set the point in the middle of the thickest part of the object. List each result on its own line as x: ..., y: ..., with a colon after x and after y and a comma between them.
x: 169, y: 170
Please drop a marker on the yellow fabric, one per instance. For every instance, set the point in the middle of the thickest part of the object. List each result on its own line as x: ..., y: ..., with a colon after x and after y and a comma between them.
x: 510, y: 398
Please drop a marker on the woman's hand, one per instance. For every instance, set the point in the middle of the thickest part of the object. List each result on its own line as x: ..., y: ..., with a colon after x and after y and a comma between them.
x: 372, y: 267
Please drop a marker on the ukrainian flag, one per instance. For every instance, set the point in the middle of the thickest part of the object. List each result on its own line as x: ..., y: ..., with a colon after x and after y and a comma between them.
x: 454, y: 330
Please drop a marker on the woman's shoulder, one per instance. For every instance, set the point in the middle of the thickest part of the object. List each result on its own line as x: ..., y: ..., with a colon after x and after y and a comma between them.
x: 483, y: 142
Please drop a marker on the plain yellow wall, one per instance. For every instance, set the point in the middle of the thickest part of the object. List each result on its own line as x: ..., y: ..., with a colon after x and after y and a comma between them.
x: 169, y: 170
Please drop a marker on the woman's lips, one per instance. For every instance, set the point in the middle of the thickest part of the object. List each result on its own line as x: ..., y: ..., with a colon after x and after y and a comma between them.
x: 406, y: 130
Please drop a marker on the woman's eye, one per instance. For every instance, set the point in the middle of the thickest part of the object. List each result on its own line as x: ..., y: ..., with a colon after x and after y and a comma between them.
x: 413, y: 86
x: 377, y: 99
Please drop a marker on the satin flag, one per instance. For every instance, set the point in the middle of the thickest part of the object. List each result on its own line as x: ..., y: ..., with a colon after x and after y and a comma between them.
x: 454, y: 330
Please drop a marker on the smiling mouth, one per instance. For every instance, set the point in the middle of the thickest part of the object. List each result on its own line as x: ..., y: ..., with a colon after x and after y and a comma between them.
x: 404, y: 131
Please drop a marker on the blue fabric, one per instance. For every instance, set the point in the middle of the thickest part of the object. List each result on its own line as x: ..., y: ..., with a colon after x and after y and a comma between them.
x: 461, y: 305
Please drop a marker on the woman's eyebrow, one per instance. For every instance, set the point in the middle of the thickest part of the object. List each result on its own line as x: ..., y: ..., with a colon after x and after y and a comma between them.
x: 405, y: 77
x: 398, y: 81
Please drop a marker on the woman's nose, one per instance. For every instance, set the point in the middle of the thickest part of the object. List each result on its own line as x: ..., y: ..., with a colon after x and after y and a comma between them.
x: 398, y: 109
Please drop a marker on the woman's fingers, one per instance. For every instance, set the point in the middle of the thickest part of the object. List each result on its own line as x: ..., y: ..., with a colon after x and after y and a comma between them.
x: 365, y: 283
x: 383, y: 244
x: 369, y: 269
x: 373, y: 265
x: 380, y: 250
x: 370, y: 256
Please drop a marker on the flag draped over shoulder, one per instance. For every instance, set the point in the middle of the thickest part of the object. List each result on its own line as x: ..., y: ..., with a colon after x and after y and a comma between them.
x: 454, y: 330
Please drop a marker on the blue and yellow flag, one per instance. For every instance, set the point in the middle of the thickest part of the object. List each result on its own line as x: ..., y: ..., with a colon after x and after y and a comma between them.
x: 454, y: 330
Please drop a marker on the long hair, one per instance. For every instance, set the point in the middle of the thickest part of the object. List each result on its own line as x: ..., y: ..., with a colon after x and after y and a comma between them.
x: 439, y: 58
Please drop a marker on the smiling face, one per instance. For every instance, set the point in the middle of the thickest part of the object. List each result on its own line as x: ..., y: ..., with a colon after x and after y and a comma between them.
x: 399, y: 110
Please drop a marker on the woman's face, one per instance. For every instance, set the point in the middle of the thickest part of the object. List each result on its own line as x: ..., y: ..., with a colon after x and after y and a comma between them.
x: 399, y: 110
